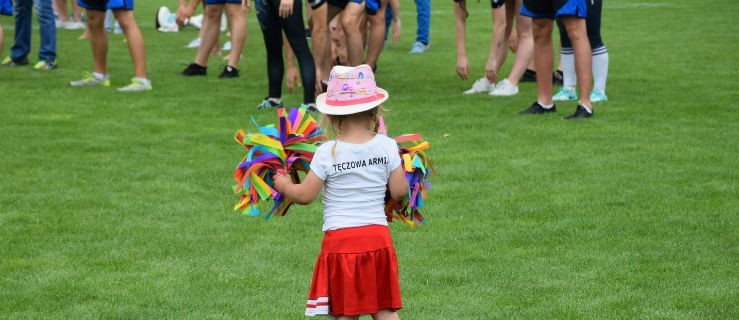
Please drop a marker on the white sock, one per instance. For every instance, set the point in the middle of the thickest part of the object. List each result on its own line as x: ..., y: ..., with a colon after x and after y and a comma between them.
x: 600, y: 68
x: 545, y: 106
x: 100, y: 76
x: 567, y: 57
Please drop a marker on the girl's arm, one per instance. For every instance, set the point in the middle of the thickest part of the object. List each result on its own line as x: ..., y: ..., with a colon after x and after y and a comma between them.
x: 498, y: 44
x: 302, y: 193
x: 460, y: 17
x: 397, y: 184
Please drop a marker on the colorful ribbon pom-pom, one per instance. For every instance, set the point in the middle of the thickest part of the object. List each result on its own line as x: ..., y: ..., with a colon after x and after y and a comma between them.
x: 289, y: 147
x: 416, y: 165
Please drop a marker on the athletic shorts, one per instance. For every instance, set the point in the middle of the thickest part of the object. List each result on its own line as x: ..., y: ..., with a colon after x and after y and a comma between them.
x: 371, y: 7
x: 495, y: 4
x: 551, y: 9
x: 315, y: 4
x: 221, y: 1
x: 6, y: 7
x: 102, y: 5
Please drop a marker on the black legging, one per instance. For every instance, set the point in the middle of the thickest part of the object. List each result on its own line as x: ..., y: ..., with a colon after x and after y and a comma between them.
x: 595, y: 7
x: 272, y: 26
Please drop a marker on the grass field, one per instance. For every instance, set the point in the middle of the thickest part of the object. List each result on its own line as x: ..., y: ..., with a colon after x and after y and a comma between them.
x: 118, y: 206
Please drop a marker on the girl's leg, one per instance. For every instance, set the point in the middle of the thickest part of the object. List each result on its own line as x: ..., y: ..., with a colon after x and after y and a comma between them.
x: 295, y: 33
x: 209, y: 33
x: 272, y: 33
x: 237, y: 21
x: 525, y: 47
x: 376, y: 35
x: 135, y: 41
x: 98, y: 40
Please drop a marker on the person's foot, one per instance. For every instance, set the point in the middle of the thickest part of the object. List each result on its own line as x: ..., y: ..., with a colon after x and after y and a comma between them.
x: 537, y: 108
x: 45, y: 65
x: 226, y: 46
x: 504, y: 88
x: 90, y: 80
x: 580, y: 112
x: 195, y: 69
x: 558, y: 78
x: 597, y: 96
x: 269, y: 103
x: 15, y: 62
x: 310, y: 107
x: 419, y: 47
x: 528, y: 76
x: 194, y: 44
x: 229, y: 72
x: 481, y: 85
x: 75, y: 25
x: 136, y: 85
x: 565, y: 94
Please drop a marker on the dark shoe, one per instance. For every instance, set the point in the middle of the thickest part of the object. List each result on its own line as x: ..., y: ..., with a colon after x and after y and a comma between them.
x: 528, y: 76
x: 558, y: 78
x: 45, y: 65
x: 324, y: 86
x: 580, y: 112
x: 15, y: 62
x: 195, y: 69
x: 536, y: 108
x: 266, y: 103
x: 229, y: 72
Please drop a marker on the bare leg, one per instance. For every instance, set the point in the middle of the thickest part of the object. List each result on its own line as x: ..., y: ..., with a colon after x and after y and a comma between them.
x: 347, y: 318
x: 209, y: 32
x: 351, y: 20
x: 387, y: 314
x: 77, y: 12
x: 135, y: 41
x: 62, y: 10
x: 577, y: 32
x: 98, y: 40
x: 237, y: 20
x: 321, y: 44
x: 376, y: 35
x: 525, y: 47
x: 544, y: 59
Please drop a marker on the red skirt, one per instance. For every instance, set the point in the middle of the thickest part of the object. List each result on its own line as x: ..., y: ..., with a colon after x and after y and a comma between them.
x: 356, y: 273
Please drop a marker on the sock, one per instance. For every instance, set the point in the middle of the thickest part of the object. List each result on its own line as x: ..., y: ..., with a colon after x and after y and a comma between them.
x: 100, y: 76
x: 145, y: 81
x: 568, y: 68
x: 600, y: 68
x: 589, y: 109
x: 545, y: 106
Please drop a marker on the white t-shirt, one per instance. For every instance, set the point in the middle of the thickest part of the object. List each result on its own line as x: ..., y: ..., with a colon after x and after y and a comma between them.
x: 355, y: 180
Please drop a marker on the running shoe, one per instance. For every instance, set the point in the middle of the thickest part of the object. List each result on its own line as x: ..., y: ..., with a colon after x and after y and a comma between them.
x: 536, y: 108
x: 565, y: 94
x: 194, y: 44
x: 226, y: 46
x: 419, y: 47
x: 45, y: 65
x: 195, y: 69
x: 90, y: 80
x: 580, y: 112
x: 15, y: 63
x: 229, y: 72
x: 558, y: 78
x: 504, y: 88
x: 481, y: 85
x: 136, y: 85
x: 597, y: 96
x: 311, y: 107
x: 267, y: 103
x: 528, y: 76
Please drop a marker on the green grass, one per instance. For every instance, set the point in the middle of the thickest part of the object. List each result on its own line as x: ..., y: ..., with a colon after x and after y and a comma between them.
x: 118, y: 206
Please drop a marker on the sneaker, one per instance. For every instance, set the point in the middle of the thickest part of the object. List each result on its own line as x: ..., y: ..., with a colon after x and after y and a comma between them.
x: 536, y: 108
x: 229, y: 72
x: 194, y: 44
x: 528, y: 76
x: 419, y: 47
x: 504, y: 88
x: 74, y: 26
x: 310, y: 107
x: 136, y: 85
x: 90, y: 80
x: 195, y: 69
x: 226, y: 46
x: 15, y: 63
x: 580, y: 112
x: 267, y: 103
x: 597, y: 96
x: 565, y: 94
x: 61, y: 24
x: 44, y: 65
x: 558, y: 78
x: 482, y: 85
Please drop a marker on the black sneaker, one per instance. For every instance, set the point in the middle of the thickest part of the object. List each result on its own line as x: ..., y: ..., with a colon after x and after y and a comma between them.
x: 580, y: 112
x: 195, y: 69
x: 266, y: 103
x: 528, y: 76
x: 229, y: 72
x: 536, y: 108
x: 324, y: 86
x: 558, y: 78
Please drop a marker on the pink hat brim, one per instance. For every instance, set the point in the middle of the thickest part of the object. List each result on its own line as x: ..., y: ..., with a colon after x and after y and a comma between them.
x: 350, y: 109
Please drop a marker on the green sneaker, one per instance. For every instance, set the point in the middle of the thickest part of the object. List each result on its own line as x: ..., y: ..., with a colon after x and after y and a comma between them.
x: 565, y: 94
x: 597, y: 96
x: 90, y: 81
x: 136, y: 85
x: 8, y: 61
x: 44, y: 65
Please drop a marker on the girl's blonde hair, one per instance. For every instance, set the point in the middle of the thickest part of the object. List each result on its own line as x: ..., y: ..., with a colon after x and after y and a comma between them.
x: 372, y: 116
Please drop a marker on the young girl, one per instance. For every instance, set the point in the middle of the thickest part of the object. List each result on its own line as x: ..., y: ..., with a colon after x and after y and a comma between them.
x: 356, y: 272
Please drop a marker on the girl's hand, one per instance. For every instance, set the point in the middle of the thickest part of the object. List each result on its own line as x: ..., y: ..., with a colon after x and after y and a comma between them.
x: 463, y: 67
x: 490, y: 72
x: 282, y: 180
x: 286, y: 8
x: 395, y: 28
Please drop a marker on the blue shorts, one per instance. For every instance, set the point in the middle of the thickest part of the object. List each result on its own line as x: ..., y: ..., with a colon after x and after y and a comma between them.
x: 372, y: 5
x: 6, y: 7
x: 554, y: 8
x: 102, y: 5
x: 221, y: 1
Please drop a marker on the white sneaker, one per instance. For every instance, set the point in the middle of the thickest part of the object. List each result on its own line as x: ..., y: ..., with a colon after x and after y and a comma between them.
x: 194, y: 44
x: 89, y: 80
x: 74, y: 26
x: 504, y: 88
x: 482, y: 85
x: 61, y: 24
x: 136, y: 85
x: 226, y: 46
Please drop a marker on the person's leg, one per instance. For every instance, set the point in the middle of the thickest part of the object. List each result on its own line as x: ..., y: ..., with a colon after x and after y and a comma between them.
x: 272, y: 33
x: 351, y: 20
x: 135, y: 40
x: 577, y: 32
x: 2, y: 36
x: 77, y: 12
x: 237, y: 21
x: 22, y: 44
x: 321, y: 40
x: 209, y: 32
x: 423, y: 20
x: 63, y: 10
x: 98, y: 40
x: 294, y: 29
x: 47, y: 29
x: 498, y: 44
x: 600, y: 53
x: 543, y: 59
x: 376, y: 35
x: 525, y: 47
x: 385, y: 314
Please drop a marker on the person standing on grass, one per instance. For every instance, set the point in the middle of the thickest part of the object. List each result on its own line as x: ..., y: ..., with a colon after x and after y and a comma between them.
x: 209, y: 33
x: 423, y: 26
x: 6, y: 9
x: 22, y: 44
x: 123, y: 12
x: 276, y: 17
x: 356, y: 271
x: 572, y: 13
x: 524, y: 51
x: 600, y: 58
